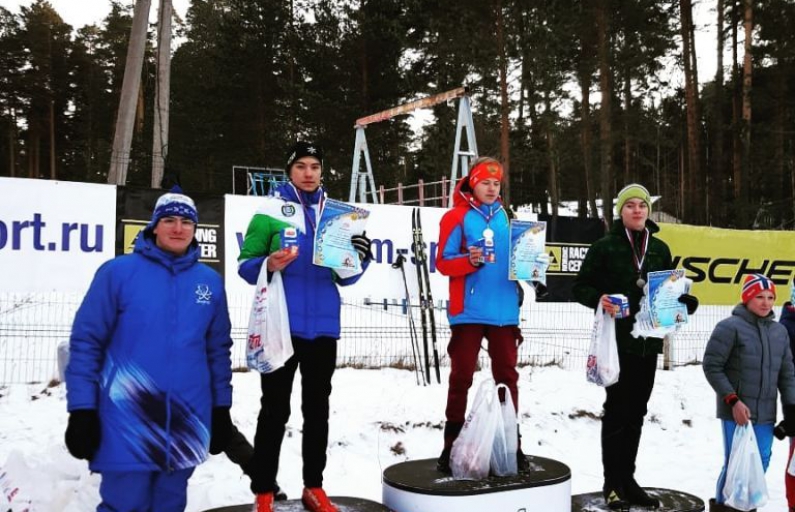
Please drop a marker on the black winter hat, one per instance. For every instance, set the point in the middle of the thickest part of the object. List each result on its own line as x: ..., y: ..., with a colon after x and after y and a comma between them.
x: 301, y: 149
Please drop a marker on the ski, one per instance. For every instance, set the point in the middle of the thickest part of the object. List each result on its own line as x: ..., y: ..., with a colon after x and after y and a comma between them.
x: 415, y: 346
x: 419, y: 253
x: 428, y: 296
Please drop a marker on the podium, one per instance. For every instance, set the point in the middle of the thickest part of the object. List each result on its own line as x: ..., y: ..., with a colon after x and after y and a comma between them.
x: 344, y: 504
x: 670, y: 501
x: 416, y: 486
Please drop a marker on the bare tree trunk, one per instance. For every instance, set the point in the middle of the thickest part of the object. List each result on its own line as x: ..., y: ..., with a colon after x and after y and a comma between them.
x: 736, y: 106
x: 53, y: 175
x: 162, y: 94
x: 627, y: 137
x: 549, y: 135
x: 122, y: 138
x: 12, y: 143
x: 585, y: 131
x: 717, y: 152
x: 505, y: 151
x: 693, y: 199
x: 605, y: 135
x: 748, y: 25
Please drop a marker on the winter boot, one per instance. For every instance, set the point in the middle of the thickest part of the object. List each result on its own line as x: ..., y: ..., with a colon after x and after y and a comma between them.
x: 451, y: 431
x: 278, y: 493
x: 522, y: 464
x: 264, y: 503
x: 635, y: 495
x: 315, y: 500
x: 615, y: 498
x: 720, y: 507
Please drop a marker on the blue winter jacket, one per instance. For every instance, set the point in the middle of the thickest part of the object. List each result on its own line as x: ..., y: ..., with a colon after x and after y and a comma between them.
x: 788, y: 321
x: 150, y: 350
x: 483, y: 294
x: 313, y: 299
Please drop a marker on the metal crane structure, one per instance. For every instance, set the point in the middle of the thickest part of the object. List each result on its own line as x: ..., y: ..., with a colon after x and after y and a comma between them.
x: 461, y: 157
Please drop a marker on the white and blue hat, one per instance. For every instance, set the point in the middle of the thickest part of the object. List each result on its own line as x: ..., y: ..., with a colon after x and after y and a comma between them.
x: 174, y: 204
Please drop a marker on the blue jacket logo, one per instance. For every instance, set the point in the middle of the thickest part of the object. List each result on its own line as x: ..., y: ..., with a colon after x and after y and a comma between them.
x: 203, y: 294
x: 288, y: 210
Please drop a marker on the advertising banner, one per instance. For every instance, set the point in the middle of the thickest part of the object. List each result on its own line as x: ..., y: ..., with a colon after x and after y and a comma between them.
x: 717, y: 259
x: 54, y: 234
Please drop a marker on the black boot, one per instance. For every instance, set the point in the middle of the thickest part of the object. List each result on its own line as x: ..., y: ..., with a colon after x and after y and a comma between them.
x: 443, y: 462
x: 522, y: 464
x: 635, y: 495
x: 278, y: 493
x: 720, y: 507
x: 451, y: 431
x: 614, y: 496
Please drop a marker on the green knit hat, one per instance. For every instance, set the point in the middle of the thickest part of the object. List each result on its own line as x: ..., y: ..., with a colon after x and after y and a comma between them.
x: 632, y: 191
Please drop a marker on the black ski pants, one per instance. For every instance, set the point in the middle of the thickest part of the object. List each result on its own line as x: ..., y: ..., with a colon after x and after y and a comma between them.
x: 624, y: 410
x: 317, y: 359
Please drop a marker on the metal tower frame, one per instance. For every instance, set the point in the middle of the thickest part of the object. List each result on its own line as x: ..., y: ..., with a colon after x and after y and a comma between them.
x: 461, y: 157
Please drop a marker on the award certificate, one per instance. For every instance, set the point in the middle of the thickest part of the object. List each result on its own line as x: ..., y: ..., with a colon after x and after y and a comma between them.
x: 665, y: 288
x: 333, y: 248
x: 527, y: 254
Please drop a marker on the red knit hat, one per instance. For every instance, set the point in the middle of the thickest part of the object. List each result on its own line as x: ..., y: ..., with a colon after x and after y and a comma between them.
x: 754, y: 284
x: 485, y: 170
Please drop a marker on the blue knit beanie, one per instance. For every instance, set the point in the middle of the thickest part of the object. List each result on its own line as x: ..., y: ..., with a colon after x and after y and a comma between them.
x: 174, y: 204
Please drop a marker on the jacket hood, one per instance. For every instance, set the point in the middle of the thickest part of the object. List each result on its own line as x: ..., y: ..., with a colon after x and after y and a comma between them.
x: 743, y: 312
x: 145, y: 246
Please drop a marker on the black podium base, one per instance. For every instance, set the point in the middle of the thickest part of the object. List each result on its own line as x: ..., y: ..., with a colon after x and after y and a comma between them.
x: 670, y: 501
x: 344, y: 504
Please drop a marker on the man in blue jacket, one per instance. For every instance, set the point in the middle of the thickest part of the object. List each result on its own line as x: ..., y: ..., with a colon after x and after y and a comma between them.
x: 149, y: 376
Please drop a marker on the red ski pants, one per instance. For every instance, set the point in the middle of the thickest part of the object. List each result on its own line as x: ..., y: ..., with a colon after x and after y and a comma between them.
x: 789, y: 480
x: 463, y: 350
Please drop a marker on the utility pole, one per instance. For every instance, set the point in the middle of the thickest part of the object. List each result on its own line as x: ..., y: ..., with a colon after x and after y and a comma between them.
x: 162, y: 93
x: 125, y: 117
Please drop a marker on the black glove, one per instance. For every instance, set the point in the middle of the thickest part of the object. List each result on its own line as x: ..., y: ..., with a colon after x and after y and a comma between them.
x: 691, y: 301
x: 789, y: 420
x: 222, y: 429
x: 83, y: 433
x: 362, y: 245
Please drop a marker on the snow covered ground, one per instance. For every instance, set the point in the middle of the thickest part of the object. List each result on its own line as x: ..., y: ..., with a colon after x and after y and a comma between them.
x: 381, y: 417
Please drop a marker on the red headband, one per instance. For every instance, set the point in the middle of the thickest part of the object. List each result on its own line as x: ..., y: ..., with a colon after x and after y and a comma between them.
x: 485, y: 170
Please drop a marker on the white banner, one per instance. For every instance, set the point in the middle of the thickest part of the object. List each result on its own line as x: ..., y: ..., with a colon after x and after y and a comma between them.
x: 389, y: 227
x: 54, y: 234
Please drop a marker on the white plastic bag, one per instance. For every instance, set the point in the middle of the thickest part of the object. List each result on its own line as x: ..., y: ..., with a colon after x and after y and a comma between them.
x: 471, y: 453
x: 269, y: 344
x: 506, y: 438
x: 745, y: 487
x: 603, y: 368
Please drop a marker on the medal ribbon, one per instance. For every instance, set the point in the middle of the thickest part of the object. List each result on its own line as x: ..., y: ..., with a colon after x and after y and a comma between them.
x: 644, y: 245
x: 310, y: 213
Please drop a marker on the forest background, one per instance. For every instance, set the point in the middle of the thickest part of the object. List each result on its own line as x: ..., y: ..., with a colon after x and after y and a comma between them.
x: 574, y: 97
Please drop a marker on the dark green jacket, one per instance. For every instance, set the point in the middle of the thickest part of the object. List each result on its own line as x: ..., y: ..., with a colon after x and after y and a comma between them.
x: 608, y: 268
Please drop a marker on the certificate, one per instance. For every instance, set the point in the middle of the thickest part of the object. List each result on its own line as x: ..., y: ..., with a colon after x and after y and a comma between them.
x: 332, y: 246
x: 665, y: 288
x: 527, y: 254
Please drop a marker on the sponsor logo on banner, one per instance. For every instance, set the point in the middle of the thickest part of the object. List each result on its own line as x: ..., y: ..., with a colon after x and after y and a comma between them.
x: 206, y: 235
x: 565, y: 259
x: 37, y: 234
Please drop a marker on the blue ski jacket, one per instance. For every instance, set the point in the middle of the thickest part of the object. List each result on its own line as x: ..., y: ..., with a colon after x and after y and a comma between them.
x: 150, y: 350
x: 484, y: 294
x: 313, y: 299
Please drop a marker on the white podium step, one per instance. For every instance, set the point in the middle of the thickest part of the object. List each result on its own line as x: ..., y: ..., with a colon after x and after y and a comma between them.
x: 416, y: 486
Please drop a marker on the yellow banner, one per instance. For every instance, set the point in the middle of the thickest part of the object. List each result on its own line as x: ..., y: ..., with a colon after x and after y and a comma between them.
x: 717, y: 259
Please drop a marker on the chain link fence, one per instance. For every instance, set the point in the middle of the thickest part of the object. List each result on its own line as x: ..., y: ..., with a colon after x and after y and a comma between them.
x: 375, y: 334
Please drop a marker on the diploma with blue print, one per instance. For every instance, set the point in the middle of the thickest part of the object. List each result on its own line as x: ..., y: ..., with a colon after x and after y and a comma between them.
x: 333, y: 248
x: 528, y: 257
x: 661, y: 312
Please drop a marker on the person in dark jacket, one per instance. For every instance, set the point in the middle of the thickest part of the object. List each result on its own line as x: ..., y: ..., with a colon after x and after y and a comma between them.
x: 788, y: 321
x: 148, y: 383
x: 313, y: 305
x: 619, y: 264
x: 748, y: 361
x: 484, y: 303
